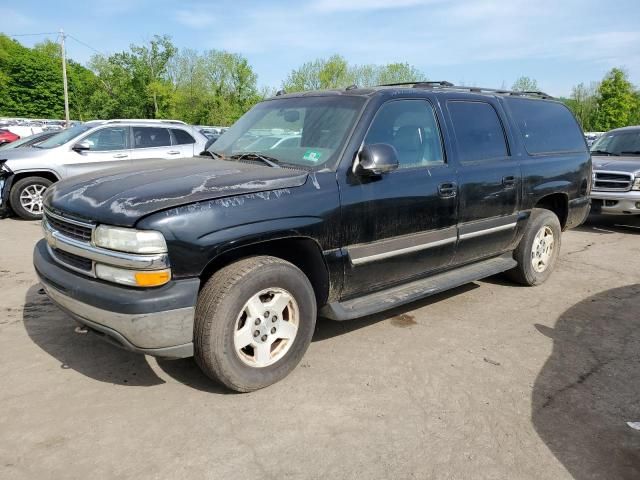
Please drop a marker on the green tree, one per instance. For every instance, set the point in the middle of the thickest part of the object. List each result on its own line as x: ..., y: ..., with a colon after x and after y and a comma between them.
x: 525, y: 84
x: 616, y: 101
x: 583, y: 103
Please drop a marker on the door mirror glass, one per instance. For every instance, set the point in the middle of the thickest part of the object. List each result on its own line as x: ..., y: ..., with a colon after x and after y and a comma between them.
x: 376, y: 159
x: 82, y: 146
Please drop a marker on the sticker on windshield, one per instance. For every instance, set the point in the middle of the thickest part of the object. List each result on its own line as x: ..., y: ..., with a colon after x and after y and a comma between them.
x: 312, y: 156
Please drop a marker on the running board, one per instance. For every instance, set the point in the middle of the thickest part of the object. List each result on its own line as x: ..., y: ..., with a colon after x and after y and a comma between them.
x: 409, y: 292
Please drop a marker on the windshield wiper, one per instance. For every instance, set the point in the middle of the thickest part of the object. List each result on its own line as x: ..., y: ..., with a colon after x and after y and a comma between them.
x: 604, y: 152
x: 213, y: 154
x: 272, y: 162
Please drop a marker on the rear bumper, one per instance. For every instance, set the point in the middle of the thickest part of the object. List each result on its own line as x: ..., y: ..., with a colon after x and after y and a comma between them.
x: 616, y: 203
x: 157, y: 321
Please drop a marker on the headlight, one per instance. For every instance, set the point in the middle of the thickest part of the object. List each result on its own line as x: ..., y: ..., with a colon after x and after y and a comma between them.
x: 636, y: 184
x: 129, y: 240
x: 133, y: 278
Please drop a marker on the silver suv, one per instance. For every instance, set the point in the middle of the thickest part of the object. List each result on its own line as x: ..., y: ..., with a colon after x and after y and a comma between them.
x: 26, y: 173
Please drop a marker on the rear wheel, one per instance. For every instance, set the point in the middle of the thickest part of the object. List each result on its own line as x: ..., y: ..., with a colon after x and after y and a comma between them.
x: 254, y: 321
x: 26, y: 197
x: 538, y: 250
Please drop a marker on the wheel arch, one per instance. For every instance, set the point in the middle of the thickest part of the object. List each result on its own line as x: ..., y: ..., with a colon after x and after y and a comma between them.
x: 303, y: 252
x: 48, y: 174
x: 558, y: 203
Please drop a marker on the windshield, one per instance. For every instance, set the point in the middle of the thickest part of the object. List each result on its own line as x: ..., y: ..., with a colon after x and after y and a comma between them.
x: 618, y: 143
x: 64, y: 136
x: 306, y: 132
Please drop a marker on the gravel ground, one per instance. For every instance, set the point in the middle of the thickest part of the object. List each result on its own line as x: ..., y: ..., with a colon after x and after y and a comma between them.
x: 488, y: 381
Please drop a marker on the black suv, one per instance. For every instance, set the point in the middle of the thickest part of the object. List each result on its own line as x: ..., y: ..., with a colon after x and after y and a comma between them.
x: 366, y: 199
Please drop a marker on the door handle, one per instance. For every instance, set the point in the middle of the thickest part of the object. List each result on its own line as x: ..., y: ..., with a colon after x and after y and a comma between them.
x: 447, y: 189
x: 173, y: 152
x: 120, y: 155
x: 509, y: 181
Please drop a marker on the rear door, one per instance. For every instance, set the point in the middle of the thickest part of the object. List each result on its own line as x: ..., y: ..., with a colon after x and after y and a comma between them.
x: 153, y: 142
x: 490, y: 178
x: 109, y: 147
x: 184, y: 142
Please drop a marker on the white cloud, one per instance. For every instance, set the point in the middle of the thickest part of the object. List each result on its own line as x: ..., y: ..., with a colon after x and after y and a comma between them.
x: 331, y: 6
x: 195, y: 17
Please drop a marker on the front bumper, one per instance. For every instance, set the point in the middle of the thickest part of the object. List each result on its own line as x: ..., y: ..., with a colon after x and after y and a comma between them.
x: 154, y: 321
x: 616, y: 203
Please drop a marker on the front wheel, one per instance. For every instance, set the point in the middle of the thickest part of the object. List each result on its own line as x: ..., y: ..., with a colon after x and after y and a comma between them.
x: 254, y: 321
x: 26, y: 197
x: 538, y: 250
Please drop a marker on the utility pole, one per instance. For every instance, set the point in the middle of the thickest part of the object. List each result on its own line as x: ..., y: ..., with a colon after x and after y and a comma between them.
x: 64, y: 79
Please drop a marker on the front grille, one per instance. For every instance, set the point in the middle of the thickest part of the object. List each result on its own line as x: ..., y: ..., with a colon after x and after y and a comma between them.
x: 72, y: 260
x: 68, y: 228
x: 615, y: 182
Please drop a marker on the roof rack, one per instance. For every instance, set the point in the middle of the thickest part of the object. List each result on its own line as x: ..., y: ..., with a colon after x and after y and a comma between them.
x: 145, y: 120
x: 444, y: 85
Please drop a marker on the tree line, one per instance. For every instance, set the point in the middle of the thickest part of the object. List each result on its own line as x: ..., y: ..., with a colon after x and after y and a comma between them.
x: 215, y: 87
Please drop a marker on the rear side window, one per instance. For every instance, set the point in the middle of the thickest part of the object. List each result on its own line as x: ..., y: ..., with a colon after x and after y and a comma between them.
x: 149, y: 137
x: 546, y: 127
x: 478, y: 130
x: 182, y: 137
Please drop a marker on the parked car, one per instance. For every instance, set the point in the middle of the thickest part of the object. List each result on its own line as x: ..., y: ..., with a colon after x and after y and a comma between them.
x: 7, y: 137
x: 29, y: 141
x: 616, y: 165
x: 394, y: 193
x: 26, y: 173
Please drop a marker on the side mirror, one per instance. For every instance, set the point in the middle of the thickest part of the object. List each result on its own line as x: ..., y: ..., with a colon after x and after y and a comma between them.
x: 81, y: 147
x: 376, y: 159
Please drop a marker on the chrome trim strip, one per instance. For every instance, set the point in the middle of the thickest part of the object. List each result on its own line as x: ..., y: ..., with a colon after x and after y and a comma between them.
x: 144, y: 330
x: 487, y: 231
x: 49, y: 213
x: 101, y: 255
x: 391, y: 247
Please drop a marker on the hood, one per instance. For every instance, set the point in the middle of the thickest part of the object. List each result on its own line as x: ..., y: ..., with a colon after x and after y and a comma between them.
x: 14, y: 156
x: 617, y: 164
x: 123, y: 195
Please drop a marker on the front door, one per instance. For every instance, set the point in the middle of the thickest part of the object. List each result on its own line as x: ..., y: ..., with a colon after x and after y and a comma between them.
x: 108, y: 148
x: 401, y: 224
x: 489, y: 177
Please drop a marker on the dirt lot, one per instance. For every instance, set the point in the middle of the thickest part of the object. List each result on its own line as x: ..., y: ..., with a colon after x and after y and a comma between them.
x: 489, y: 381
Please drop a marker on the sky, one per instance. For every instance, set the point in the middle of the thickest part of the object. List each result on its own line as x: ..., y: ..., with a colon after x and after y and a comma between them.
x: 487, y: 43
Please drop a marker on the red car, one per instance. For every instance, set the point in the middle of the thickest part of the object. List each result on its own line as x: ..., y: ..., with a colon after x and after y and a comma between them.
x: 7, y: 137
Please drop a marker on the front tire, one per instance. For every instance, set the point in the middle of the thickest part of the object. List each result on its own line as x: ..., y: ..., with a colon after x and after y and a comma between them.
x: 25, y: 198
x: 254, y: 321
x: 538, y: 251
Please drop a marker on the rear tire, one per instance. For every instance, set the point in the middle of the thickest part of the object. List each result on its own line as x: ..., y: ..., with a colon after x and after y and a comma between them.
x: 254, y: 321
x: 25, y: 197
x: 538, y: 251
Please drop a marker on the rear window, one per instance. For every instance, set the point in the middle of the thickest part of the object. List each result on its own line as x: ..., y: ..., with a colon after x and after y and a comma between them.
x: 546, y: 127
x: 182, y: 137
x: 479, y: 133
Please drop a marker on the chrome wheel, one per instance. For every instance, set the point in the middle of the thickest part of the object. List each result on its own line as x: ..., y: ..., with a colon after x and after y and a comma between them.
x: 266, y: 327
x: 542, y: 249
x: 31, y: 198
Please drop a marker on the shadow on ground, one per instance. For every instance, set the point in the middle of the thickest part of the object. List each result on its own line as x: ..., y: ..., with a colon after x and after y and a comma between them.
x: 589, y: 388
x: 611, y: 224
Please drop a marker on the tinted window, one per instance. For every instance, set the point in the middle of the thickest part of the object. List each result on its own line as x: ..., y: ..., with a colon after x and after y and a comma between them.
x: 411, y: 127
x: 182, y: 137
x: 618, y: 143
x: 105, y: 139
x: 149, y: 137
x: 478, y: 130
x: 546, y: 127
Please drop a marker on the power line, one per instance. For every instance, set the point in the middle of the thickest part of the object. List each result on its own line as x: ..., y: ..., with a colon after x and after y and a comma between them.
x: 32, y: 34
x: 84, y: 44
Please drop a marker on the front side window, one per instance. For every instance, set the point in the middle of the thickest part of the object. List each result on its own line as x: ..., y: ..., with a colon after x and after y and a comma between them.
x: 106, y: 139
x: 151, y: 137
x: 478, y: 131
x: 410, y: 126
x: 320, y: 125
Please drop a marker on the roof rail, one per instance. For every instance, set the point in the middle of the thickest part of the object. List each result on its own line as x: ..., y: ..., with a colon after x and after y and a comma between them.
x: 444, y: 85
x: 145, y: 120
